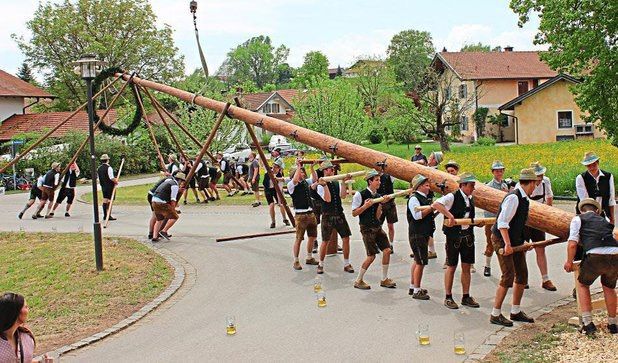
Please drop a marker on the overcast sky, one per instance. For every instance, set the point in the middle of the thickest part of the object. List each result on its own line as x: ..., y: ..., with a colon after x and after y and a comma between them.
x: 343, y: 30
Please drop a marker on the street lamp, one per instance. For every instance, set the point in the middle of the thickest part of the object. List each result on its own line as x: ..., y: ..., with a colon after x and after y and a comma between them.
x: 87, y: 67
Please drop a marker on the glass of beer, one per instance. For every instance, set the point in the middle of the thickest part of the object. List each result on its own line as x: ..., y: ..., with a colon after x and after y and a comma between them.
x: 317, y: 284
x: 230, y: 325
x: 459, y: 343
x: 423, y: 334
x: 321, y: 298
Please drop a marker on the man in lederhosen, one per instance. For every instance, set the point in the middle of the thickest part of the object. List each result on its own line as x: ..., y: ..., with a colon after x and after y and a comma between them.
x: 202, y: 176
x: 459, y: 239
x: 271, y: 193
x: 67, y: 189
x: 164, y: 201
x: 254, y: 178
x: 542, y: 194
x: 315, y: 197
x: 107, y: 182
x: 192, y: 184
x: 153, y: 217
x: 228, y: 172
x: 497, y: 169
x: 374, y: 238
x: 597, y: 184
x: 35, y: 193
x: 452, y: 168
x: 421, y: 226
x: 215, y: 174
x: 508, y: 232
x: 389, y: 210
x: 173, y: 165
x: 333, y: 219
x: 305, y: 220
x: 50, y: 182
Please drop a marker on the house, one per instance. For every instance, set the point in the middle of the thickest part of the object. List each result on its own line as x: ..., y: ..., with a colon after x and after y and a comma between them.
x: 17, y: 95
x: 548, y: 113
x: 277, y: 104
x: 334, y: 72
x: 494, y: 78
x: 355, y: 69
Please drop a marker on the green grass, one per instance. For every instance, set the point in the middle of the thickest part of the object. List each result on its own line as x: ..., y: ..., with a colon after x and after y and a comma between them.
x: 68, y: 298
x: 537, y: 348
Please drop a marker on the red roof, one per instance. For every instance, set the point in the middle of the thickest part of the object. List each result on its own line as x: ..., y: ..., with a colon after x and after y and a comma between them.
x: 253, y: 101
x: 41, y: 122
x: 496, y: 65
x: 11, y: 86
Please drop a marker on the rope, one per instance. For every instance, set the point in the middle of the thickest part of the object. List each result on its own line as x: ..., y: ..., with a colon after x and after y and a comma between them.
x: 199, y: 47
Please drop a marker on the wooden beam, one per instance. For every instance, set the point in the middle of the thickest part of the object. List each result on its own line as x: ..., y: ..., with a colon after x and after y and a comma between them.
x: 256, y: 235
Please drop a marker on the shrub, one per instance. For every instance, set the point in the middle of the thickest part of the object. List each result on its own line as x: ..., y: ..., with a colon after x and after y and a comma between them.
x: 485, y: 141
x: 375, y: 135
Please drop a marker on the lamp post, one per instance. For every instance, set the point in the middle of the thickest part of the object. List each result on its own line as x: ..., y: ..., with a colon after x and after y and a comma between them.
x: 87, y: 67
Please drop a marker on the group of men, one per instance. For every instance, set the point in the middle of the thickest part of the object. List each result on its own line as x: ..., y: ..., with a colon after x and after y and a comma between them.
x: 592, y: 230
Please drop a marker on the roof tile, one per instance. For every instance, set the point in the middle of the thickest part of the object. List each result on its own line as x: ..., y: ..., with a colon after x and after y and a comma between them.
x: 497, y: 65
x: 11, y: 86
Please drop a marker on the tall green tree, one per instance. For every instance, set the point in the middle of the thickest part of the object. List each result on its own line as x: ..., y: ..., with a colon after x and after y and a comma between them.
x: 478, y: 47
x: 25, y: 73
x: 255, y: 60
x: 409, y: 54
x: 315, y: 65
x: 376, y: 84
x: 583, y: 41
x: 121, y: 32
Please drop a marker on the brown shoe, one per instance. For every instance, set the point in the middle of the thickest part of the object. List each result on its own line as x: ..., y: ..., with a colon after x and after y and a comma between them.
x: 361, y: 285
x: 521, y: 316
x: 420, y: 295
x: 500, y: 320
x: 548, y: 285
x: 348, y: 268
x: 431, y: 255
x: 320, y: 269
x: 469, y: 301
x: 388, y: 283
x: 297, y: 266
x: 311, y: 261
x: 451, y: 304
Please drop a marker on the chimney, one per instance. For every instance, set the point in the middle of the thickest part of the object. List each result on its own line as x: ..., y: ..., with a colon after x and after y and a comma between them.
x: 508, y: 48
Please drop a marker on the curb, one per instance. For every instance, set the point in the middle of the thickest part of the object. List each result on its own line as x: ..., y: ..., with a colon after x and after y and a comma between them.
x: 492, y: 341
x: 177, y: 281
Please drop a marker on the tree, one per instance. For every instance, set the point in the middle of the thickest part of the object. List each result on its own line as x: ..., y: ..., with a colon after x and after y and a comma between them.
x: 315, y: 64
x: 332, y: 107
x: 121, y: 32
x: 583, y: 40
x: 478, y: 47
x: 255, y: 60
x: 375, y: 82
x: 480, y: 116
x: 402, y: 121
x: 25, y: 73
x: 285, y: 73
x: 409, y: 54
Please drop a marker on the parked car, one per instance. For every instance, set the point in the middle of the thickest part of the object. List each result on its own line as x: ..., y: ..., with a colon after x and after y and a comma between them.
x: 280, y: 142
x: 238, y: 151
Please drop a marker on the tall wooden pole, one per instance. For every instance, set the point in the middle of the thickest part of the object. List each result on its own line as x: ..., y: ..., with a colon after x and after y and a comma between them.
x: 543, y: 217
x: 149, y: 127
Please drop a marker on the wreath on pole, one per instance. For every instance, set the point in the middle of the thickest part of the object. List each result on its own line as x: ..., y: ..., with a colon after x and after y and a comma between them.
x: 137, y: 116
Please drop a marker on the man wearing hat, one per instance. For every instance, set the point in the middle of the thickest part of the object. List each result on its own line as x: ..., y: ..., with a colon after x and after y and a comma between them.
x: 107, y: 181
x: 35, y: 193
x: 305, y: 220
x: 435, y: 158
x: 375, y: 240
x: 497, y: 169
x: 389, y: 209
x: 459, y: 239
x: 153, y: 217
x: 276, y: 156
x: 418, y: 156
x: 595, y: 235
x: 452, y: 167
x: 50, y: 182
x: 542, y: 194
x: 597, y: 184
x: 333, y: 219
x: 420, y: 229
x: 173, y: 165
x: 271, y: 194
x: 164, y: 201
x: 67, y: 190
x: 508, y: 232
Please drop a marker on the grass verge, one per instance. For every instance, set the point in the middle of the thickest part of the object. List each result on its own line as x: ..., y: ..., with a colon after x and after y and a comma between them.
x: 68, y: 298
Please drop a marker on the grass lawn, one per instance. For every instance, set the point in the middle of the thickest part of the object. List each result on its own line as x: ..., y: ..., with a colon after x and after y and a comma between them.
x: 68, y: 299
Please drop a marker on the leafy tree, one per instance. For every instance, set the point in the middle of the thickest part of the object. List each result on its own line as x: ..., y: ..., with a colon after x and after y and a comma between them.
x: 25, y: 73
x: 402, y: 121
x: 480, y: 116
x: 332, y: 107
x: 582, y: 38
x: 121, y: 32
x: 409, y: 54
x: 478, y: 47
x: 315, y: 64
x: 255, y: 60
x: 376, y: 85
x: 285, y: 73
x: 499, y: 120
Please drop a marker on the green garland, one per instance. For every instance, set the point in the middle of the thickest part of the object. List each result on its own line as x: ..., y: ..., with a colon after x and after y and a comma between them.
x: 137, y: 116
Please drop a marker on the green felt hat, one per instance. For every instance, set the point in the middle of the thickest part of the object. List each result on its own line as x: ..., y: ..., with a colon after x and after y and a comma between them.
x: 528, y: 174
x: 589, y: 158
x: 452, y: 163
x: 466, y: 178
x: 418, y: 180
x: 370, y: 174
x: 438, y: 155
x: 538, y: 168
x: 497, y: 165
x: 326, y: 164
x: 279, y: 163
x: 180, y: 175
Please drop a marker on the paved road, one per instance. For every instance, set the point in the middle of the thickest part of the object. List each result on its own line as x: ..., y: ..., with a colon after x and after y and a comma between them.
x: 275, y: 307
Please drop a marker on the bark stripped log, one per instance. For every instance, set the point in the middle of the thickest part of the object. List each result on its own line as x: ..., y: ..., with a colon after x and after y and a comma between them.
x: 543, y: 217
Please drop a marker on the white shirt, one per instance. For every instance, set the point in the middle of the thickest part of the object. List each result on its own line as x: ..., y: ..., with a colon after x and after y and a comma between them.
x: 582, y: 193
x: 239, y: 169
x: 509, y: 208
x: 539, y: 190
x: 413, y: 203
x: 357, y: 199
x: 576, y: 224
x: 320, y: 190
x: 292, y: 186
x: 222, y: 164
x: 448, y: 200
x: 198, y: 168
x: 173, y: 194
x: 40, y: 181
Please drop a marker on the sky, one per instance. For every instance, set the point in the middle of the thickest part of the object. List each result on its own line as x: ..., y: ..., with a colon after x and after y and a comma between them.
x: 343, y: 30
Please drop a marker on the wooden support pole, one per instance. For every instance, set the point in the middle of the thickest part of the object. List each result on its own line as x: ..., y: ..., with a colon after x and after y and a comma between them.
x: 269, y: 171
x: 527, y: 246
x: 149, y: 127
x: 334, y: 161
x: 344, y: 176
x: 111, y: 202
x: 394, y: 195
x: 54, y: 129
x: 247, y: 236
x: 470, y: 222
x: 543, y: 217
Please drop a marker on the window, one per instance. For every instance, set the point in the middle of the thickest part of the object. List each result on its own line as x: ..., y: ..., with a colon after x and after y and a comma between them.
x: 584, y: 129
x: 522, y: 87
x: 464, y: 123
x: 271, y: 108
x: 565, y: 137
x: 565, y: 119
x: 463, y: 90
